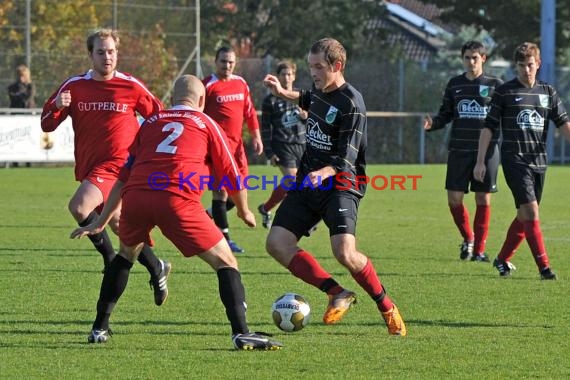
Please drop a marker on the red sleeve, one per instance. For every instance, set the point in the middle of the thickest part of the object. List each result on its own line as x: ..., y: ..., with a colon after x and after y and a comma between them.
x: 249, y: 112
x: 147, y: 104
x: 51, y: 116
x: 224, y: 164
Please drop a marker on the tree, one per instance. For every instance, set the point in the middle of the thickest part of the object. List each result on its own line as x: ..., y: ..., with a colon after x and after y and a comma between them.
x: 285, y: 28
x: 58, y: 43
x: 510, y: 22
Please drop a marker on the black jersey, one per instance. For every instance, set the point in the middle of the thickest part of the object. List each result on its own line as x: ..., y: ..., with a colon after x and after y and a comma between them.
x: 280, y: 124
x: 466, y: 102
x: 336, y: 134
x: 522, y: 114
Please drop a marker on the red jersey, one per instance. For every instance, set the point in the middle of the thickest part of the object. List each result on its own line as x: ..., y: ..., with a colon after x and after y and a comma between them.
x: 173, y: 151
x: 229, y: 103
x: 103, y: 116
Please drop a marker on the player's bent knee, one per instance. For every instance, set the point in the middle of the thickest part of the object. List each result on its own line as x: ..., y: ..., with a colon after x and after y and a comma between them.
x: 78, y: 212
x: 131, y: 253
x: 281, y: 245
x: 273, y: 244
x: 219, y: 256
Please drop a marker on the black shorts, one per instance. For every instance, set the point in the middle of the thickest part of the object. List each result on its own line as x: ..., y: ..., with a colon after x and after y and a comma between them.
x: 525, y: 183
x: 460, y: 167
x: 303, y: 209
x: 289, y: 154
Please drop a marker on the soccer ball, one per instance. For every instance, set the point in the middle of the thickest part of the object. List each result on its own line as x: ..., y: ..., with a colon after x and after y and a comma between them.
x: 291, y: 312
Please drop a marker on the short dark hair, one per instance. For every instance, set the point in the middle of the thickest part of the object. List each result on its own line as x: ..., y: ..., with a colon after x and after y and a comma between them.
x: 286, y: 65
x: 223, y: 49
x: 525, y: 50
x: 102, y: 34
x: 332, y: 49
x: 474, y: 46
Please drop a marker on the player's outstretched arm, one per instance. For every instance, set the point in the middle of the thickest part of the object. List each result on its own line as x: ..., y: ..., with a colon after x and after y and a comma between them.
x: 273, y: 84
x: 111, y: 206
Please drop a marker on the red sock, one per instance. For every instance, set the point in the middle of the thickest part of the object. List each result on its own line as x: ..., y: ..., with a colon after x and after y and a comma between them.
x: 277, y: 196
x: 515, y: 236
x: 461, y: 219
x: 481, y: 228
x: 307, y: 268
x: 370, y: 282
x: 536, y: 243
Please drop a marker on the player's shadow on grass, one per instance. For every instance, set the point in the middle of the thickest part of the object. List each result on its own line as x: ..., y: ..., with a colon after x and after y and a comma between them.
x: 11, y: 326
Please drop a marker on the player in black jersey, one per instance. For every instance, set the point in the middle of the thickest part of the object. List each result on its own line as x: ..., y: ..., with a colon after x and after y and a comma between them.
x: 336, y: 145
x: 521, y: 109
x: 465, y: 102
x: 283, y: 134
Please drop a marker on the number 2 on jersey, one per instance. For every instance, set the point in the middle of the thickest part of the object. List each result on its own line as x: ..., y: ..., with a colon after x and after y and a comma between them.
x: 165, y: 145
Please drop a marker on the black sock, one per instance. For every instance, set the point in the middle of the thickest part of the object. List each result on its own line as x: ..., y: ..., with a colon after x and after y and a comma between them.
x: 101, y: 241
x: 328, y: 284
x: 230, y: 204
x: 149, y: 260
x: 378, y: 298
x: 220, y: 215
x: 232, y: 295
x: 112, y: 287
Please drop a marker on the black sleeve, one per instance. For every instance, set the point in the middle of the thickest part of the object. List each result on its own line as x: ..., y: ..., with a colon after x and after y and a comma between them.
x: 349, y: 140
x: 445, y: 114
x: 304, y: 99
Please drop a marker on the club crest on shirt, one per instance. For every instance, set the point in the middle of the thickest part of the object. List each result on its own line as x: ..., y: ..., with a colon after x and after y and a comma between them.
x: 484, y: 90
x: 544, y: 100
x: 331, y: 115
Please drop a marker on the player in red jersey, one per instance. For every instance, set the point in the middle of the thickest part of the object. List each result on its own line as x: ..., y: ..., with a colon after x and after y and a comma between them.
x: 229, y: 103
x: 102, y: 104
x: 178, y: 143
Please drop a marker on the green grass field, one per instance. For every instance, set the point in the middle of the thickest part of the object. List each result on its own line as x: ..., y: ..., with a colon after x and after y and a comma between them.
x: 463, y: 320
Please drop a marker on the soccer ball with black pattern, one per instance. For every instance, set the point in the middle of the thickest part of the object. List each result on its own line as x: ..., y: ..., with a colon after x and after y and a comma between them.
x: 291, y: 312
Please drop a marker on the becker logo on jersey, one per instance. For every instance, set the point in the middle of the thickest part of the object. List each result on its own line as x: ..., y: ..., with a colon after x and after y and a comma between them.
x: 470, y: 109
x: 530, y: 119
x: 316, y: 137
x: 290, y: 118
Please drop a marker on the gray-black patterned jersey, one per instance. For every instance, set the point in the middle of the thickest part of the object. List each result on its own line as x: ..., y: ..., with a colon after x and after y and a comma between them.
x: 336, y: 134
x: 280, y: 124
x: 522, y: 114
x: 466, y: 102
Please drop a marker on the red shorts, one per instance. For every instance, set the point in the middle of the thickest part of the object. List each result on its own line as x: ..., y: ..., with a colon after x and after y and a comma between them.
x: 241, y: 159
x: 182, y: 221
x: 103, y: 177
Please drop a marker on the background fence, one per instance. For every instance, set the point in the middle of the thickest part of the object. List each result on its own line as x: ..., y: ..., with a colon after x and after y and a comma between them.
x: 397, y: 93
